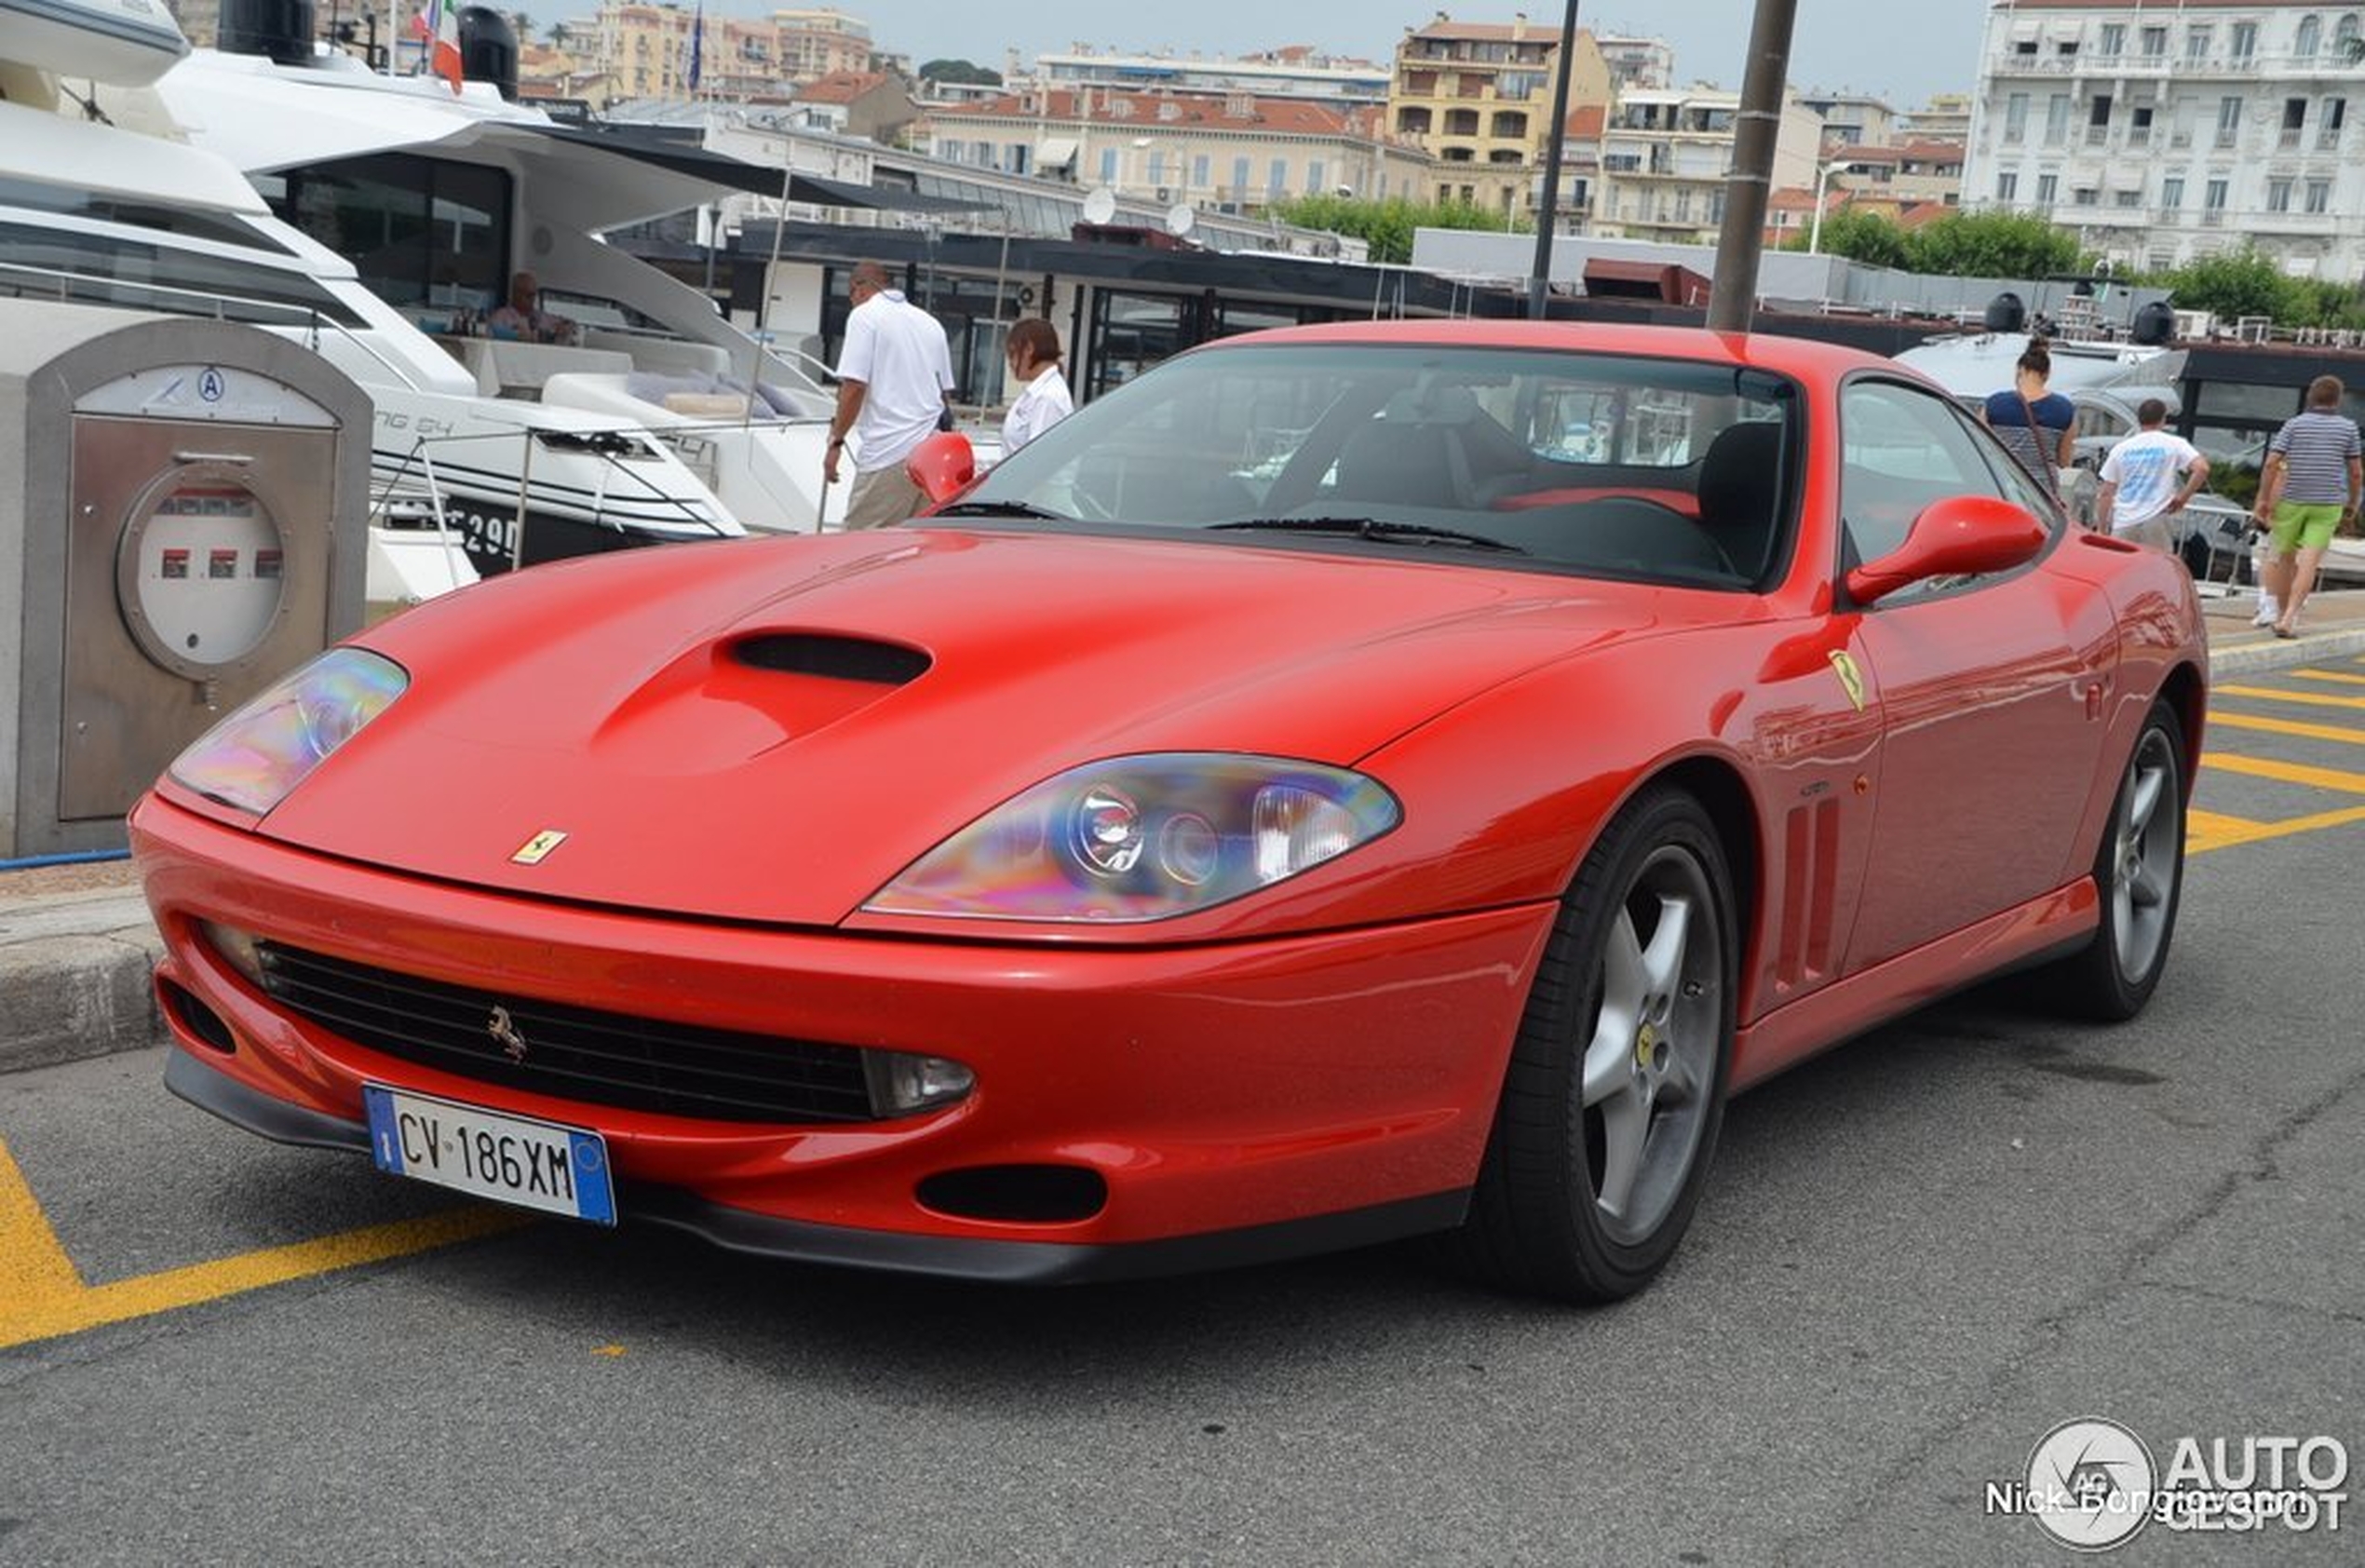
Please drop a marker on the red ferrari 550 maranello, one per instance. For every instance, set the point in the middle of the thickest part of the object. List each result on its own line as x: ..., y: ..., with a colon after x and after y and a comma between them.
x: 1352, y: 781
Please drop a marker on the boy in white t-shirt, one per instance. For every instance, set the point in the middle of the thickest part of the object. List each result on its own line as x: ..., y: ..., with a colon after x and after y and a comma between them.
x: 2148, y: 478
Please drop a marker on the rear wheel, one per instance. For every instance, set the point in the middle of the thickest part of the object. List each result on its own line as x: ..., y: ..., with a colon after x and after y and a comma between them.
x: 2139, y: 873
x: 1615, y: 1090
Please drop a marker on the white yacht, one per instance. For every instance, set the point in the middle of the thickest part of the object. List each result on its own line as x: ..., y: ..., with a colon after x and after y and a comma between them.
x: 463, y: 484
x: 435, y: 198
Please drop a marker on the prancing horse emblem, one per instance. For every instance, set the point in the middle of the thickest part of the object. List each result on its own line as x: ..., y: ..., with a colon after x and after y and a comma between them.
x: 504, y: 1031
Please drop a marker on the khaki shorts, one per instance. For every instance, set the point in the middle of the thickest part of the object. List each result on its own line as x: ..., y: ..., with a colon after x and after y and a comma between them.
x: 880, y: 497
x: 2306, y: 525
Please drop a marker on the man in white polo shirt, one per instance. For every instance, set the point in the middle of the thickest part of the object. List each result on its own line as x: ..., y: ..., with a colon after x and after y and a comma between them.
x: 2148, y: 478
x: 894, y: 375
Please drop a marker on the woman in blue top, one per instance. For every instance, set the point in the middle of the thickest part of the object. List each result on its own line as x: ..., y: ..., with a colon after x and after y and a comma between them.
x: 2033, y: 423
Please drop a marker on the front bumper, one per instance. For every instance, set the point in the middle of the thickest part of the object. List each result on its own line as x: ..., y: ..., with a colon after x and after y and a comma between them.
x: 1238, y: 1101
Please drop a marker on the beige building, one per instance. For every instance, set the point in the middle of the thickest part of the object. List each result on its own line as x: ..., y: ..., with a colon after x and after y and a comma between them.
x: 643, y: 48
x: 1665, y: 156
x: 1232, y: 152
x: 1946, y: 117
x: 1479, y: 97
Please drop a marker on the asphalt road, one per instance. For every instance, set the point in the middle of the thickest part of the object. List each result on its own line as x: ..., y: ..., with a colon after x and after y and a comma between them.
x: 1918, y: 1254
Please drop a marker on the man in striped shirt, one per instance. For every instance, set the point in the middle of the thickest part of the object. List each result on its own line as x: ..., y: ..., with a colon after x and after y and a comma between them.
x: 2312, y: 482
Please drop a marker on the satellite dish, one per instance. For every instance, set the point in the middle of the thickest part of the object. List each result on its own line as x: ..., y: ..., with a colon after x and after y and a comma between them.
x: 1100, y: 205
x: 1181, y: 219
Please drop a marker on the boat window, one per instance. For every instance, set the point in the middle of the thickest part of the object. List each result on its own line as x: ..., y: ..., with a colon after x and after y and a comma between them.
x: 425, y: 234
x: 98, y: 207
x: 90, y: 268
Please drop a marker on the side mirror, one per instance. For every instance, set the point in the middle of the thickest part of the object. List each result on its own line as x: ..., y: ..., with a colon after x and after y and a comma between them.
x: 1961, y: 535
x: 943, y: 466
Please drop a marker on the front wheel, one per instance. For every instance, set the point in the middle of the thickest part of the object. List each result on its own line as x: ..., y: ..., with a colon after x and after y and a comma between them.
x: 1615, y: 1090
x: 2139, y: 873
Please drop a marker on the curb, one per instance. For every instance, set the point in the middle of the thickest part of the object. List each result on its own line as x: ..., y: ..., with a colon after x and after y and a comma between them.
x: 74, y: 972
x: 2281, y: 653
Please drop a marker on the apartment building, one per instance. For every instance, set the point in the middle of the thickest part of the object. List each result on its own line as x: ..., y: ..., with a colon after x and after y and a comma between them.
x: 1907, y: 175
x: 1235, y: 153
x: 1479, y: 97
x: 1946, y: 117
x: 1665, y: 156
x: 1295, y: 71
x: 1852, y: 118
x: 2160, y: 132
x: 643, y: 46
x: 1637, y: 63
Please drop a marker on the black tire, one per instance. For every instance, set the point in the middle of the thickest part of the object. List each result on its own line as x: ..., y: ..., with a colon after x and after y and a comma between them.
x: 1654, y: 1001
x: 2140, y: 871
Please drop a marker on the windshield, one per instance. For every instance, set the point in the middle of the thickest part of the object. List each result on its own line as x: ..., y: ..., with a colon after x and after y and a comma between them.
x: 1662, y: 469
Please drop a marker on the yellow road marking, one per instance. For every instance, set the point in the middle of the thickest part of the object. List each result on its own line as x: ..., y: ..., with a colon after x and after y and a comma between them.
x: 2286, y: 726
x: 2311, y: 699
x: 2326, y: 675
x: 2205, y: 831
x: 42, y: 1294
x: 2289, y: 773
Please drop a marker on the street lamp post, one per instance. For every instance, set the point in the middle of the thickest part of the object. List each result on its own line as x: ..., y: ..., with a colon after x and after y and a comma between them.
x: 1815, y: 234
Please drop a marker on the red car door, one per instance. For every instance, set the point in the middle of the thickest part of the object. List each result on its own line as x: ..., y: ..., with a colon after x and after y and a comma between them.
x: 1989, y: 688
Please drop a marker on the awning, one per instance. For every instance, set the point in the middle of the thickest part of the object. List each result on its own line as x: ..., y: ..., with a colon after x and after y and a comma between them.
x: 2024, y: 30
x: 1057, y: 151
x: 739, y: 174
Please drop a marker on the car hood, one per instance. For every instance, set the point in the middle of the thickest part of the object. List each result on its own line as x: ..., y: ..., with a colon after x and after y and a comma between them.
x: 772, y: 731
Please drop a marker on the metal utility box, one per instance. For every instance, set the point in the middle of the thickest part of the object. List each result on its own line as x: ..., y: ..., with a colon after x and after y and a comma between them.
x: 183, y: 518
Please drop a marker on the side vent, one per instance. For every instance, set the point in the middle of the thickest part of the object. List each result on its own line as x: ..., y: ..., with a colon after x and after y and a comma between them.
x: 842, y: 658
x: 1810, y: 887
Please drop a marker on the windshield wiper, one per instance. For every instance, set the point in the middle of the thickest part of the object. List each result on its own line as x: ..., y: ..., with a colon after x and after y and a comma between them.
x: 1000, y: 509
x: 1373, y: 528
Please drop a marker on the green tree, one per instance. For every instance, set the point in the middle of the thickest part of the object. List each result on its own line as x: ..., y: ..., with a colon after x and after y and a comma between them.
x: 961, y: 72
x: 1385, y: 227
x: 1992, y: 245
x: 1861, y: 236
x: 2244, y: 283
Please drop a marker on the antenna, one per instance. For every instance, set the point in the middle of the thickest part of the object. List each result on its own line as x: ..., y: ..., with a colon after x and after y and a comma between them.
x: 1181, y: 219
x: 1100, y: 205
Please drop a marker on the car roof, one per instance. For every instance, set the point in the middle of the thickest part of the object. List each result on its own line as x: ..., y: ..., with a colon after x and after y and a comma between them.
x: 1802, y: 358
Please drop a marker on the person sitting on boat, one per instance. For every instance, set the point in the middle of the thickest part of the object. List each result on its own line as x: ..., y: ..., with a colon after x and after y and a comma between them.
x: 524, y: 319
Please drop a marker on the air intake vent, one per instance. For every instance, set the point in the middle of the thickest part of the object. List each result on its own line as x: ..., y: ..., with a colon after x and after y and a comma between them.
x: 569, y: 1052
x: 845, y: 658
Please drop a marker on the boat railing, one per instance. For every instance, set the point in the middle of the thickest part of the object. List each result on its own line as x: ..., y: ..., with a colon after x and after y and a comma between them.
x: 611, y: 447
x: 68, y: 286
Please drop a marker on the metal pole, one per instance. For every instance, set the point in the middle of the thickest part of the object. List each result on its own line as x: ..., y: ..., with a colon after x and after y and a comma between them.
x: 1733, y: 299
x: 1539, y: 277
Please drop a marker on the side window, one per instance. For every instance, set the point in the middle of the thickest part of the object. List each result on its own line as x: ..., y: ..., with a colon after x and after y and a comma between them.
x: 2016, y: 482
x: 1901, y: 449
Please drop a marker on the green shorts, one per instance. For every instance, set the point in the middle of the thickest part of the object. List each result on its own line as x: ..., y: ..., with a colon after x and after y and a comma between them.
x: 2306, y: 525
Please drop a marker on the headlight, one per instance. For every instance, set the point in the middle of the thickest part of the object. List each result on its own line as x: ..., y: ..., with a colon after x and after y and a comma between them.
x: 253, y: 758
x: 1143, y: 838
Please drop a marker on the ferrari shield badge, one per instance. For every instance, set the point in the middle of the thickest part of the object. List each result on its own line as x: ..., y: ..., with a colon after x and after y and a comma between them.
x: 1842, y: 666
x: 537, y: 849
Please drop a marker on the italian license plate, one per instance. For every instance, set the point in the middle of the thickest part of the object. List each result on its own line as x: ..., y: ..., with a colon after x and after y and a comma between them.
x: 512, y: 1160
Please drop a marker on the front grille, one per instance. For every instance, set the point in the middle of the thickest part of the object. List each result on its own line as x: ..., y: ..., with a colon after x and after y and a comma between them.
x: 571, y: 1054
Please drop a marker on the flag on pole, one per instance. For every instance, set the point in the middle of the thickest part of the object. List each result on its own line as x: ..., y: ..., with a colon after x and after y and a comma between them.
x: 439, y: 28
x: 698, y: 43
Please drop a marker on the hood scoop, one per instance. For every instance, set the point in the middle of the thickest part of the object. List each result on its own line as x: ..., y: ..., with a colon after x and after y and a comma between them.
x: 719, y: 705
x: 839, y: 658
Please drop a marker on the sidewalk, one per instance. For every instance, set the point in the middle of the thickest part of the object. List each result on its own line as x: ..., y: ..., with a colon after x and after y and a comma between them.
x: 76, y: 944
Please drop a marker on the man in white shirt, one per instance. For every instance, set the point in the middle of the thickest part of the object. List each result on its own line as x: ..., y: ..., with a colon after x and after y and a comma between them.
x: 2147, y: 479
x: 894, y: 375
